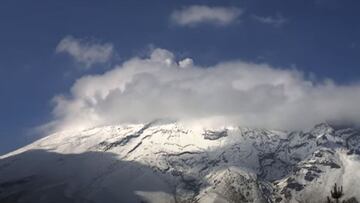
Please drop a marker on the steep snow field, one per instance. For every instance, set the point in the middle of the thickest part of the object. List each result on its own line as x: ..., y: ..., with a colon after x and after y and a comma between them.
x: 169, y: 162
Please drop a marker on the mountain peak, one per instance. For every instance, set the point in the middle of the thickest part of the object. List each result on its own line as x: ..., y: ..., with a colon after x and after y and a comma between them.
x: 323, y: 128
x: 182, y: 164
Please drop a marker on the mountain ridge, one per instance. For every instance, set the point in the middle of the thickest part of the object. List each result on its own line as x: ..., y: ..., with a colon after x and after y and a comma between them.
x: 228, y: 164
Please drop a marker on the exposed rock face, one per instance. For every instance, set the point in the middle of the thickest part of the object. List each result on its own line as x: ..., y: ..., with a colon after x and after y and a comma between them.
x: 214, y: 135
x: 170, y: 163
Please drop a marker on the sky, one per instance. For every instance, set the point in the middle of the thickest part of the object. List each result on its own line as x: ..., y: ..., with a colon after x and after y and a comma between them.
x: 80, y: 64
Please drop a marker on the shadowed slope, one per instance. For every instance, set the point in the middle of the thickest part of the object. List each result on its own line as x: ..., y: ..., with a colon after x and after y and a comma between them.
x: 43, y: 176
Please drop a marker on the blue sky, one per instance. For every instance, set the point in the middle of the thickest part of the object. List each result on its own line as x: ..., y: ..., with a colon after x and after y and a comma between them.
x: 317, y: 37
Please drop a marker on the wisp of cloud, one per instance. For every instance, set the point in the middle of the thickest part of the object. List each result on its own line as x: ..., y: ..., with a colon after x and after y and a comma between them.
x: 197, y: 14
x: 85, y: 52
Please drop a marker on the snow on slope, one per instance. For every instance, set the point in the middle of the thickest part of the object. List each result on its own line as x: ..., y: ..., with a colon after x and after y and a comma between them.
x: 159, y: 162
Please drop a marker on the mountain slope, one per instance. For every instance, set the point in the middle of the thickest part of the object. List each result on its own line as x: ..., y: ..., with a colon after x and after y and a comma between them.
x: 157, y: 162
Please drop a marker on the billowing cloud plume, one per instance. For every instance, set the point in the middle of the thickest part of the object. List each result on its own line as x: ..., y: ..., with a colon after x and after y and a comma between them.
x: 229, y: 93
x: 196, y: 14
x: 276, y: 21
x: 85, y: 52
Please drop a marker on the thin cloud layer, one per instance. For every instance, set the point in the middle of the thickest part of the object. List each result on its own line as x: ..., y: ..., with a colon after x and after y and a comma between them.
x: 195, y: 15
x: 87, y: 53
x: 276, y: 21
x: 229, y: 93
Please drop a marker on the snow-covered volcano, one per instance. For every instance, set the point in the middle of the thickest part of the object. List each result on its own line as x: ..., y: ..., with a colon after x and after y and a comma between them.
x: 157, y: 162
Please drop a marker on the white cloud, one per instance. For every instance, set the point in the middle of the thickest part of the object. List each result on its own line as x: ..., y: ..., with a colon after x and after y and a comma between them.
x: 194, y: 15
x: 276, y: 21
x: 233, y: 93
x: 87, y: 53
x: 185, y: 63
